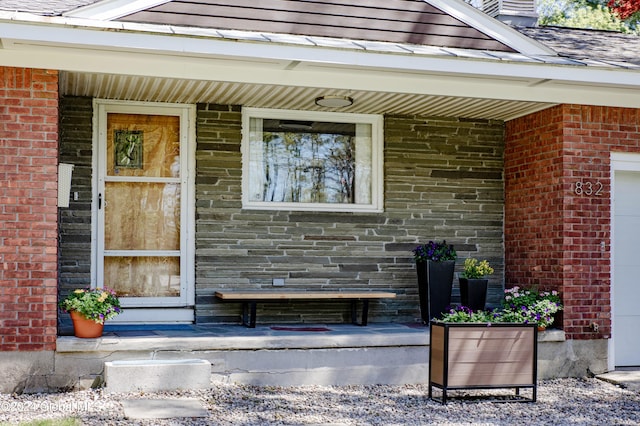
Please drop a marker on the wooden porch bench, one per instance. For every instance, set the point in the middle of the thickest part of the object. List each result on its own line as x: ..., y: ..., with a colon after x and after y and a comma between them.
x: 250, y: 299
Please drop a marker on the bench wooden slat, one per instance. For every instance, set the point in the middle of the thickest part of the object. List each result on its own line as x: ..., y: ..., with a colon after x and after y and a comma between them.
x: 302, y: 295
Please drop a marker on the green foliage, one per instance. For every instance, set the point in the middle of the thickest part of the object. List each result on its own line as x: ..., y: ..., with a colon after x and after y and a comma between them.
x: 590, y: 14
x: 464, y: 314
x: 473, y: 269
x: 523, y: 306
x: 98, y: 304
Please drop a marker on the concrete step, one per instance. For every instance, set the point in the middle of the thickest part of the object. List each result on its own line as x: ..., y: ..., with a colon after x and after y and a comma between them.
x: 154, y: 375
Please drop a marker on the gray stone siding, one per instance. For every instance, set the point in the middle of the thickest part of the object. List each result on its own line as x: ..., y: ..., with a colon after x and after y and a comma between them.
x: 76, y: 115
x: 443, y: 180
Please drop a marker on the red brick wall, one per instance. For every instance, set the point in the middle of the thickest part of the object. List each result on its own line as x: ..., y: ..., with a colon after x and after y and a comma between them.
x: 557, y: 224
x: 28, y: 212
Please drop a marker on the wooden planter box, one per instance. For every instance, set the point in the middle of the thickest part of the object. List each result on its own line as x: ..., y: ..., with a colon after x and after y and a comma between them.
x: 478, y: 356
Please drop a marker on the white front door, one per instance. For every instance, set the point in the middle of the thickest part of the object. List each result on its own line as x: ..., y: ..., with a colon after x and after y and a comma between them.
x: 144, y: 206
x: 626, y: 262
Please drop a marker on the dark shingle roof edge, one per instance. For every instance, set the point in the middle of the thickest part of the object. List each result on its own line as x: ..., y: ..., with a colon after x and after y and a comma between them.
x: 45, y: 8
x: 588, y: 45
x: 554, y: 37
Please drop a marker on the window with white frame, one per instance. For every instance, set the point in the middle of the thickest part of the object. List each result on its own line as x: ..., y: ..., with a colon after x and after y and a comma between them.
x: 302, y: 160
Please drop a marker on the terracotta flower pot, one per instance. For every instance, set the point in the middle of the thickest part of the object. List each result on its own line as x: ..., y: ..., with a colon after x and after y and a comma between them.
x: 84, y: 327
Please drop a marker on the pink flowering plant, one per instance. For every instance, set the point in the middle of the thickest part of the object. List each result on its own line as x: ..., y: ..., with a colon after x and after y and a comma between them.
x: 531, y: 305
x: 97, y: 304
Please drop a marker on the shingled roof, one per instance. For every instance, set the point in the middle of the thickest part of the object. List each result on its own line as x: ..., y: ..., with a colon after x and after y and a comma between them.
x: 46, y: 8
x: 202, y: 63
x: 393, y: 21
x: 589, y: 45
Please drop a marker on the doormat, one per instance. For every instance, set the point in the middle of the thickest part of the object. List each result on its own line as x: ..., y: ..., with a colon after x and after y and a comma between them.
x: 417, y: 325
x: 313, y: 329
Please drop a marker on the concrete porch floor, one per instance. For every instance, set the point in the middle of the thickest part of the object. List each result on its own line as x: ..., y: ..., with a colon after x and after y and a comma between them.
x: 298, y: 354
x: 278, y: 355
x: 266, y: 355
x: 229, y: 337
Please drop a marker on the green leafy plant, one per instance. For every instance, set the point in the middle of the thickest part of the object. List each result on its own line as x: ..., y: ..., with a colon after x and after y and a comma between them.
x: 464, y: 314
x: 474, y: 269
x: 97, y: 304
x: 525, y: 306
x: 434, y: 251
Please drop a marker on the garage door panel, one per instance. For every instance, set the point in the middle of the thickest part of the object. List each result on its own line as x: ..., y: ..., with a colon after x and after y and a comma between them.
x: 626, y: 268
x: 627, y: 354
x: 627, y: 282
x: 627, y: 196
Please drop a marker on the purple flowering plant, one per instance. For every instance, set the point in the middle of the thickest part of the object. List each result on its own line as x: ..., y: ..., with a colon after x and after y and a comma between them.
x: 434, y: 251
x: 465, y: 314
x: 531, y: 305
x: 523, y: 306
x: 97, y: 304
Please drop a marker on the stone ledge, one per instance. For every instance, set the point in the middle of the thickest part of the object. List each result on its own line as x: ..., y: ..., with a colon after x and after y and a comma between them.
x: 306, y: 341
x: 241, y: 341
x: 551, y: 335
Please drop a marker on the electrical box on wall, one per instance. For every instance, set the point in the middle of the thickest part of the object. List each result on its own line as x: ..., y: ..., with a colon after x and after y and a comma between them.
x: 64, y: 184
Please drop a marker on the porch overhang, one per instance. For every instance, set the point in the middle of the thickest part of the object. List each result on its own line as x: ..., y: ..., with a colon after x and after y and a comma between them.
x: 159, y: 63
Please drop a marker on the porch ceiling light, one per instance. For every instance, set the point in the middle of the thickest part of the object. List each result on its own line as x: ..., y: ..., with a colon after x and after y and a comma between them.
x: 334, y: 101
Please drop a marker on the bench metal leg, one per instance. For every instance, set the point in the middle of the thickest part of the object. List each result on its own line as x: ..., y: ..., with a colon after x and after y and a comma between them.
x: 365, y: 312
x: 249, y: 314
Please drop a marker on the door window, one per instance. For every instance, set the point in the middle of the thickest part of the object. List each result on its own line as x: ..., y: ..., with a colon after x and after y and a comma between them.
x: 142, y: 250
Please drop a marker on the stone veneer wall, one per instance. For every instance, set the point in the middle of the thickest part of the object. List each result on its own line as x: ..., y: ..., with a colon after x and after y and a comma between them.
x: 554, y: 236
x: 76, y: 147
x: 443, y: 180
x: 28, y: 209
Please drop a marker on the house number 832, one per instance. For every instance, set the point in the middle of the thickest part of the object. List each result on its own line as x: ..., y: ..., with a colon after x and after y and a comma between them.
x: 591, y: 189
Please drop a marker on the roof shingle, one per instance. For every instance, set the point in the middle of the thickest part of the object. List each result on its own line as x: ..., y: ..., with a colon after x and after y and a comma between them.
x: 47, y: 8
x: 584, y: 44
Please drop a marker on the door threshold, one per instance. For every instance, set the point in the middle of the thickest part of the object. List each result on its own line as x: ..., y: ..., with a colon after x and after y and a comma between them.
x: 155, y: 316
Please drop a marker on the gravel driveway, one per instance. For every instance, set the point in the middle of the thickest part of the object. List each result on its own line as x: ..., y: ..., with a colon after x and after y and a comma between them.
x: 586, y: 401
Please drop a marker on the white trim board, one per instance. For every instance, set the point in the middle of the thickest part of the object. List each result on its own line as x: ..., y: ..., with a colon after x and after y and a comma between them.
x: 620, y: 161
x: 112, y: 9
x: 492, y: 27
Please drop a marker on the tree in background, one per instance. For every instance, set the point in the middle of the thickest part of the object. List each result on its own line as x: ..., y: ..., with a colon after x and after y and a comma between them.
x: 625, y: 9
x: 612, y: 15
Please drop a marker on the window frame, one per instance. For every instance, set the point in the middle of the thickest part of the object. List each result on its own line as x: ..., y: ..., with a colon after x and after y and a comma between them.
x: 377, y: 146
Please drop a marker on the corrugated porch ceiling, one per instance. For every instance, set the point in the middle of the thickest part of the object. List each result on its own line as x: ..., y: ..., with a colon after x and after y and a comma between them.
x: 157, y: 89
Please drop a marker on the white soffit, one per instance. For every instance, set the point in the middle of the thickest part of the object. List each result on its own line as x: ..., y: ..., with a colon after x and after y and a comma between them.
x: 156, y: 89
x: 89, y: 46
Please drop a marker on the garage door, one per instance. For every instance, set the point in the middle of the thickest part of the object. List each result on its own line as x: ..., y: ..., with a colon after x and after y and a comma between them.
x: 626, y: 272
